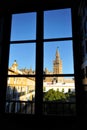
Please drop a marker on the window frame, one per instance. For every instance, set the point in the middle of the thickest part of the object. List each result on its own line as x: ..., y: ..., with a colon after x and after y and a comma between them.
x: 39, y: 69
x: 39, y: 60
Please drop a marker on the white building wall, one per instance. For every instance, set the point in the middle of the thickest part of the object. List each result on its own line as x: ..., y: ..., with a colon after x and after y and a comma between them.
x: 60, y: 86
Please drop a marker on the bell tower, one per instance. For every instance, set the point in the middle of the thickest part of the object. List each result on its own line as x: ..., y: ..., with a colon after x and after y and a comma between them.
x: 57, y: 66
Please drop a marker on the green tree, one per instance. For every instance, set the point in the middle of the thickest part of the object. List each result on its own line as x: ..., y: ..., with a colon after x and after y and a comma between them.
x: 53, y: 95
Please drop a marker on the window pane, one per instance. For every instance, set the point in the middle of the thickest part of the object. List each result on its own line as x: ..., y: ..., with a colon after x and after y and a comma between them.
x: 22, y: 59
x: 23, y: 26
x: 58, y: 57
x: 59, y: 96
x: 20, y: 95
x: 57, y: 23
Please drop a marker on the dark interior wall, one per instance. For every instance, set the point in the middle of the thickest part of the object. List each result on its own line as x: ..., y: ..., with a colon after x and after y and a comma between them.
x: 23, y: 121
x: 15, y: 6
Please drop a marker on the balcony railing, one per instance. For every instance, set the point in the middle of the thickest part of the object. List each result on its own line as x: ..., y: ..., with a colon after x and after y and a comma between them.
x: 59, y: 108
x: 17, y: 106
x: 49, y: 107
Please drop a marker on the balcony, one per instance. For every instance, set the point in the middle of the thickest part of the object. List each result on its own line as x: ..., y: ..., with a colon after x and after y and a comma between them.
x: 49, y: 107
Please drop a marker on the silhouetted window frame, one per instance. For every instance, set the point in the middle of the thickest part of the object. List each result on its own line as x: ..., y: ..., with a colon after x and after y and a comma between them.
x: 39, y: 63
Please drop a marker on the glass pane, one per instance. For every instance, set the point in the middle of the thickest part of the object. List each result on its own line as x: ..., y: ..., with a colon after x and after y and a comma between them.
x: 58, y: 57
x: 23, y: 26
x: 20, y: 95
x: 59, y: 96
x: 57, y: 23
x: 22, y: 59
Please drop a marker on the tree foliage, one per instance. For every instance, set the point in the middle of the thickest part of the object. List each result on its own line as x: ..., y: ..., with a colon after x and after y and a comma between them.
x: 53, y: 95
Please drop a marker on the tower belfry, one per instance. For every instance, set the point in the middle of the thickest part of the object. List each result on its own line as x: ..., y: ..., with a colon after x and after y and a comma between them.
x: 57, y: 54
x: 57, y: 63
x: 57, y: 66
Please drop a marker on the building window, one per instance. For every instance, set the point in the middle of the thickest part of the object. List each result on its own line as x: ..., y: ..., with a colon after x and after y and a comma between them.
x: 21, y: 66
x: 41, y: 56
x: 58, y: 59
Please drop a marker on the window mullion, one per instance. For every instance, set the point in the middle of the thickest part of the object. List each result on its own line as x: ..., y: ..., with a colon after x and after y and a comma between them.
x: 5, y: 28
x: 39, y: 64
x: 80, y: 96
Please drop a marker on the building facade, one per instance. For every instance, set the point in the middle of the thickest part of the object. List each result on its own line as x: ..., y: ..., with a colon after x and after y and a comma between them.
x: 20, y: 86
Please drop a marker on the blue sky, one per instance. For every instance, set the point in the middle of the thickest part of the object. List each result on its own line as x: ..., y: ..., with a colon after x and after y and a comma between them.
x: 57, y: 24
